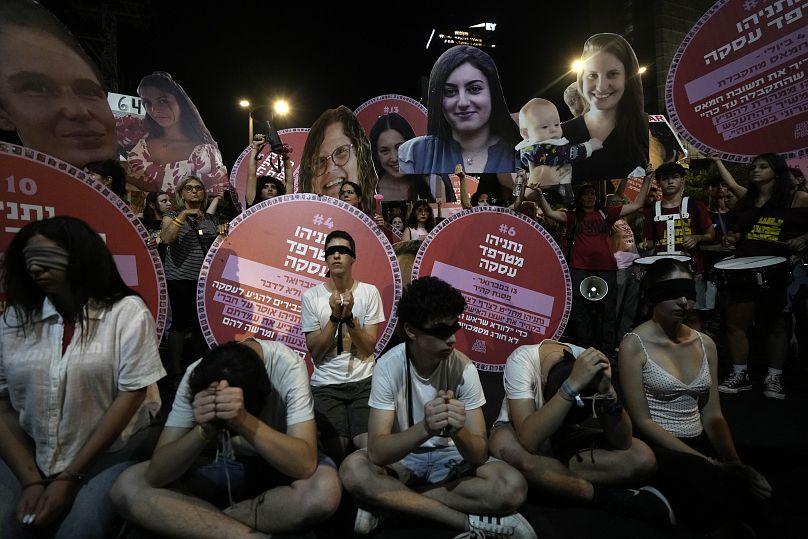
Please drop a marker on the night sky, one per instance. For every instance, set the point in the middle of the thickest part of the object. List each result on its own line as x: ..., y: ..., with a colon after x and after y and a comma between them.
x: 321, y: 58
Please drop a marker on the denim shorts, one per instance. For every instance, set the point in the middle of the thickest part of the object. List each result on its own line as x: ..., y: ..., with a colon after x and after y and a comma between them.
x: 432, y: 465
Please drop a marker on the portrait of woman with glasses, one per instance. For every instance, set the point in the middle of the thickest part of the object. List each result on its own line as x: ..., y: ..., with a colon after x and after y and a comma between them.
x: 188, y: 231
x: 467, y: 119
x: 337, y: 150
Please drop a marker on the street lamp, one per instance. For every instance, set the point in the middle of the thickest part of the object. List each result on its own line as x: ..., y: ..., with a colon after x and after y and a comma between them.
x: 263, y: 113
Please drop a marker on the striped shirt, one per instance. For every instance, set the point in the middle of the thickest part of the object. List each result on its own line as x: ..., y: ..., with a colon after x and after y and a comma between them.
x: 184, y: 257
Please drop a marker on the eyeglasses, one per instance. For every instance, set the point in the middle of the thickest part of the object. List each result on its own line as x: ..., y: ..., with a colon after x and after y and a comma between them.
x: 441, y: 331
x: 339, y: 156
x: 193, y: 188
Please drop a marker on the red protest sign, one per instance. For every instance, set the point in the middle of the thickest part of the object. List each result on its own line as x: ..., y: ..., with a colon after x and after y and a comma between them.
x: 411, y: 110
x: 37, y: 186
x: 737, y: 85
x: 511, y: 272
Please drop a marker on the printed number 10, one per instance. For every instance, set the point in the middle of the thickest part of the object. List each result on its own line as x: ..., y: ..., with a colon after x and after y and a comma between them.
x: 26, y: 186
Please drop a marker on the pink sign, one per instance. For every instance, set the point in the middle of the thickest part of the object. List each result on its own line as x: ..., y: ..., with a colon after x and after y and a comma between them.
x: 512, y: 274
x: 252, y: 281
x: 737, y: 85
x: 412, y: 111
x: 37, y: 186
x: 268, y: 164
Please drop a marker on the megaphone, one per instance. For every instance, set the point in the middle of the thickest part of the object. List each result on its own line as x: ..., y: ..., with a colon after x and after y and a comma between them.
x: 593, y: 288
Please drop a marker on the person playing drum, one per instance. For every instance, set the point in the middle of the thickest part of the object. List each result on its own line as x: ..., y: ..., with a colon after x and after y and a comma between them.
x: 772, y: 221
x: 677, y: 225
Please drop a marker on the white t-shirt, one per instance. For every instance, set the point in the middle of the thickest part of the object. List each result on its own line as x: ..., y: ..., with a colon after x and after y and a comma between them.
x: 314, y: 315
x: 522, y: 376
x: 60, y: 398
x: 389, y: 388
x: 289, y: 400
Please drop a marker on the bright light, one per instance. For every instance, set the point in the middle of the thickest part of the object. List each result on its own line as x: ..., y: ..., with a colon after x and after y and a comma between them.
x: 281, y: 107
x: 642, y: 70
x: 577, y: 65
x: 244, y: 103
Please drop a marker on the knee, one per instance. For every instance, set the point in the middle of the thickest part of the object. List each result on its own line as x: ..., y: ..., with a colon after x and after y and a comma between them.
x: 354, y: 472
x: 127, y: 487
x: 642, y: 460
x: 510, y: 487
x: 320, y: 496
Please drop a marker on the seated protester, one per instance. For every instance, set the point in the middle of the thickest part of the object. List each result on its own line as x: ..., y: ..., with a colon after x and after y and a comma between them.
x: 238, y: 450
x: 668, y: 377
x: 544, y: 430
x: 427, y: 454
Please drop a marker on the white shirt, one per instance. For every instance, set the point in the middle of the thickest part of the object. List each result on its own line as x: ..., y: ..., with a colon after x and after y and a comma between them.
x: 61, y: 398
x: 288, y: 403
x: 389, y: 388
x: 315, y: 313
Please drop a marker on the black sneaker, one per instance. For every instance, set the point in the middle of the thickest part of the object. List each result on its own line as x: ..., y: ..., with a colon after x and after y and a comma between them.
x: 736, y: 382
x: 646, y: 503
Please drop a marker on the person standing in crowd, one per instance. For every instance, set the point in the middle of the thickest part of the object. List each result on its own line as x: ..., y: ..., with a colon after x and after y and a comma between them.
x: 772, y: 221
x: 427, y: 454
x: 340, y: 318
x: 467, y: 119
x: 668, y: 374
x: 420, y: 222
x: 677, y: 225
x: 66, y: 115
x: 238, y: 453
x: 78, y: 370
x: 188, y: 231
x: 157, y: 204
x: 624, y: 248
x: 545, y: 430
x: 610, y: 84
x: 337, y: 150
x: 589, y: 254
x: 110, y: 174
x: 176, y: 144
x: 263, y: 188
x: 386, y: 136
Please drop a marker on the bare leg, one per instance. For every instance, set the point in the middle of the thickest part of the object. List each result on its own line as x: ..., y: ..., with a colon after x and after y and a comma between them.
x: 360, y: 441
x: 336, y: 448
x: 616, y: 467
x: 739, y: 319
x: 296, y: 507
x: 170, y: 513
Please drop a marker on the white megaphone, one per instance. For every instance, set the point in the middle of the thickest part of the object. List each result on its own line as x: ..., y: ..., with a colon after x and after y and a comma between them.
x: 594, y: 288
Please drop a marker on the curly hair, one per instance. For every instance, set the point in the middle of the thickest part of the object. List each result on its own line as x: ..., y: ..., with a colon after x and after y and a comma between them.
x: 429, y: 299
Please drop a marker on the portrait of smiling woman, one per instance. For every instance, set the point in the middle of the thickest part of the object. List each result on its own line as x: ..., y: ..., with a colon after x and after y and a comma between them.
x: 467, y: 119
x: 610, y: 84
x: 51, y: 92
x: 176, y: 143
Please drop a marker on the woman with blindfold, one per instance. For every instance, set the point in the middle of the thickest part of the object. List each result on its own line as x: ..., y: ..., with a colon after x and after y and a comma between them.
x: 78, y: 370
x: 668, y: 373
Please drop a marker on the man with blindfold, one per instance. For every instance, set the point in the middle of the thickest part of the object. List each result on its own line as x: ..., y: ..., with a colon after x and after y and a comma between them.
x: 427, y: 454
x: 340, y: 318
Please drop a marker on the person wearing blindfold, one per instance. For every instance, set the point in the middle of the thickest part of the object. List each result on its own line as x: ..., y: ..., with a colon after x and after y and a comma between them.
x: 427, y: 452
x: 668, y: 374
x: 340, y: 318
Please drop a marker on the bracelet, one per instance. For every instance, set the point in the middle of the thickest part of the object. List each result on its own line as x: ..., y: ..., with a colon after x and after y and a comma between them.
x: 200, y: 430
x: 348, y: 320
x: 177, y: 222
x: 67, y: 475
x: 569, y: 395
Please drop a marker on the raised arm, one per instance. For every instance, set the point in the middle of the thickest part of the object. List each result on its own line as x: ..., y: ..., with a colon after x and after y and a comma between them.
x: 641, y: 196
x: 465, y: 202
x: 737, y: 189
x: 555, y: 215
x: 252, y: 165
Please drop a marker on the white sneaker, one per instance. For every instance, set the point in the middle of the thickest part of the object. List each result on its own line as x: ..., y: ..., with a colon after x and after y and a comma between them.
x: 513, y: 525
x: 366, y: 521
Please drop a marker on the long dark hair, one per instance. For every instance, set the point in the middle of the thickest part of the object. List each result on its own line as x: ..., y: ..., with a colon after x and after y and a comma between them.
x: 781, y: 192
x: 631, y: 118
x: 501, y: 122
x: 92, y: 275
x: 572, y: 231
x: 412, y: 220
x: 190, y: 121
x: 149, y: 211
x: 396, y: 122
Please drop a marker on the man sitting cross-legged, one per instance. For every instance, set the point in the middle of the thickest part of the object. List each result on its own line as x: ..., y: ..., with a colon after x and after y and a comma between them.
x: 427, y: 453
x: 546, y: 430
x: 241, y: 436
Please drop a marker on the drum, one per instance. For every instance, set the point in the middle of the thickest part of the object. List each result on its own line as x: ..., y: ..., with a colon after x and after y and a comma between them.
x: 642, y: 264
x: 753, y: 271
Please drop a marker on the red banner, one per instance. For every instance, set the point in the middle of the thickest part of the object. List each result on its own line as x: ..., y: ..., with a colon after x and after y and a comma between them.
x: 37, y: 186
x: 252, y: 281
x: 737, y: 85
x: 512, y: 274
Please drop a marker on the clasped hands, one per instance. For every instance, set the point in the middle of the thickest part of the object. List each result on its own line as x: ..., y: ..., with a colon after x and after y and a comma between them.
x: 444, y: 415
x: 341, y: 304
x: 591, y: 365
x: 219, y: 403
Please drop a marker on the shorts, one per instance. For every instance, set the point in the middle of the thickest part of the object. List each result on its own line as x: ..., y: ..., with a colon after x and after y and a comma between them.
x: 341, y: 410
x: 432, y: 465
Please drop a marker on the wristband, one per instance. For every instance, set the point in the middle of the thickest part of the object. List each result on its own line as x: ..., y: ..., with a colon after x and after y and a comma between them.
x: 200, y: 430
x: 568, y: 394
x: 177, y: 222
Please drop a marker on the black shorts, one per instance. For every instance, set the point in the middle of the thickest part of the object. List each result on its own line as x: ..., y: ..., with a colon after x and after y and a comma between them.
x: 341, y: 410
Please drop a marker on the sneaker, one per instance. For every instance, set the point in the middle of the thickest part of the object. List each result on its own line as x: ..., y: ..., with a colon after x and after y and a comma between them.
x: 736, y: 382
x: 774, y: 387
x: 366, y: 521
x: 514, y: 525
x: 649, y: 496
x: 646, y: 503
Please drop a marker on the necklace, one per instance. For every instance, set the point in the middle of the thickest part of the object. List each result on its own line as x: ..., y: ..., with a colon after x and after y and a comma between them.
x: 470, y: 157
